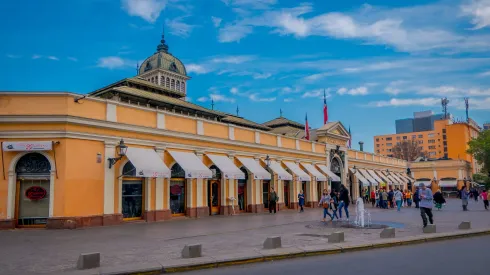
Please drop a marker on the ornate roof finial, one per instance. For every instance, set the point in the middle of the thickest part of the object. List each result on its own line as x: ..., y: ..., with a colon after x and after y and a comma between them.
x: 162, y: 47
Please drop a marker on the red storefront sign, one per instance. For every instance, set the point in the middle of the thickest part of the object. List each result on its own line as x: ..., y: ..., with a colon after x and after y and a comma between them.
x: 35, y: 193
x: 175, y: 189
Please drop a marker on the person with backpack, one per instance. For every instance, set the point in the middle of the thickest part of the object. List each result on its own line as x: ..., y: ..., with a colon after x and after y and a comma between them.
x: 325, y: 203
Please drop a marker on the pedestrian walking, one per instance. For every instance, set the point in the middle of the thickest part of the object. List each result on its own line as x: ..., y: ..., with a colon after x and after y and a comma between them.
x: 377, y: 199
x: 416, y: 198
x: 426, y: 202
x: 334, y: 204
x: 485, y: 195
x: 398, y: 199
x: 384, y: 198
x: 439, y: 199
x: 325, y: 203
x: 272, y: 200
x: 475, y: 194
x: 372, y: 197
x: 404, y: 198
x: 390, y: 198
x: 366, y: 195
x: 409, y: 198
x: 464, y: 195
x: 301, y: 201
x: 344, y: 201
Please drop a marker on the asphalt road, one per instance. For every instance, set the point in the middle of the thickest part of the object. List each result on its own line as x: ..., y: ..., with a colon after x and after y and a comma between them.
x: 453, y: 257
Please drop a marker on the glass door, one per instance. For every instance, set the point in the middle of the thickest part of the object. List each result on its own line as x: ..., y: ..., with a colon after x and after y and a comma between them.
x: 242, y: 195
x: 33, y: 202
x: 177, y: 197
x: 214, y: 197
x: 265, y: 193
x: 132, y: 199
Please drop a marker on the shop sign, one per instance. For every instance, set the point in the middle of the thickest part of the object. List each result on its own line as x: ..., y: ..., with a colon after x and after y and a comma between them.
x: 28, y: 146
x: 35, y: 193
x: 175, y: 190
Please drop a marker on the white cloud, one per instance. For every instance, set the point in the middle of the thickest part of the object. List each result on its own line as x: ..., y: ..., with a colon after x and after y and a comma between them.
x: 255, y: 97
x: 253, y: 4
x: 479, y: 10
x: 13, y: 56
x: 111, y: 62
x: 203, y: 99
x: 222, y: 98
x: 362, y: 90
x: 288, y: 99
x: 315, y: 77
x: 74, y: 59
x: 317, y: 93
x: 196, y: 68
x: 36, y: 56
x: 233, y: 59
x: 396, y: 102
x: 149, y: 10
x: 234, y: 90
x: 179, y: 28
x: 262, y: 76
x: 452, y: 91
x: 484, y: 74
x: 216, y: 21
x: 233, y: 33
x: 51, y: 57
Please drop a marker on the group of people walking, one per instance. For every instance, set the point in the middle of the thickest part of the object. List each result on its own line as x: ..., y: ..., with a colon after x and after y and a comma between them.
x: 466, y: 194
x: 389, y: 199
x: 335, y: 201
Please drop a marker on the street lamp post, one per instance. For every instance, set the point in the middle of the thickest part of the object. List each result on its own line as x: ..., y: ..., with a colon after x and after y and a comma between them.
x: 121, y: 149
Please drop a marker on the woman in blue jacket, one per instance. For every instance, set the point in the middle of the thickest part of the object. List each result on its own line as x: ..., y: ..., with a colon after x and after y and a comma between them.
x: 301, y: 201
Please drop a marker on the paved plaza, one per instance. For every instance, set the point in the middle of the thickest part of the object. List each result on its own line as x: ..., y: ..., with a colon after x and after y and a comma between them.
x: 36, y: 251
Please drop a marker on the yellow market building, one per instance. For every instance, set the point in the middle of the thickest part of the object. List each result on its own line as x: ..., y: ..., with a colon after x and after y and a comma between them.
x: 137, y: 150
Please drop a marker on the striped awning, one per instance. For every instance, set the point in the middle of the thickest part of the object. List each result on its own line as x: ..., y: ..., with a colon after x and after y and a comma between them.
x: 360, y: 177
x: 365, y: 174
x: 329, y: 173
x: 312, y: 170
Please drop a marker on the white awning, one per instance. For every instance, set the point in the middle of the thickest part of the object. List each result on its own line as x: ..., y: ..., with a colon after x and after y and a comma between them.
x: 397, y: 178
x: 390, y: 180
x: 302, y: 176
x: 227, y: 167
x: 327, y: 171
x: 374, y: 175
x: 360, y: 177
x: 405, y: 177
x: 448, y: 183
x: 255, y: 168
x: 192, y: 165
x: 382, y: 176
x: 425, y: 182
x: 147, y: 163
x: 281, y: 173
x: 365, y: 174
x: 312, y: 170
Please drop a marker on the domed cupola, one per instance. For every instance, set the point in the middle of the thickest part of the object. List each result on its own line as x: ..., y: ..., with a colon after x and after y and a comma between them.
x: 164, y: 69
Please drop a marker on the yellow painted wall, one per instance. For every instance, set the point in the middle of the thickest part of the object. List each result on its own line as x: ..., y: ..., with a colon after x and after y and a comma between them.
x: 181, y: 124
x: 30, y: 105
x: 215, y: 130
x: 319, y: 148
x: 135, y: 116
x: 288, y: 143
x: 244, y: 135
x: 457, y: 141
x: 305, y: 146
x: 352, y: 154
x: 268, y: 139
x: 86, y: 108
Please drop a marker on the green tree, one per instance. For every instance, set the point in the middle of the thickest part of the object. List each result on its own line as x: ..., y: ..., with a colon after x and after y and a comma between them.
x: 480, y: 149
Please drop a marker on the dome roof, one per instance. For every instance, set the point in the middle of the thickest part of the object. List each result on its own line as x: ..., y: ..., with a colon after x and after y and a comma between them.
x: 162, y: 59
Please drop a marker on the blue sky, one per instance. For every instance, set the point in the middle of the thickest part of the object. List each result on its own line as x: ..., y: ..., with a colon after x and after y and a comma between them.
x: 378, y: 60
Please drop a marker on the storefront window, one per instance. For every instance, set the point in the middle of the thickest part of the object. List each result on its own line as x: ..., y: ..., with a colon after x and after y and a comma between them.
x: 177, y: 190
x: 132, y: 199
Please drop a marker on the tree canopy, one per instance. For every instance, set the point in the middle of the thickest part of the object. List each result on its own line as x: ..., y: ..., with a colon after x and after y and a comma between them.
x: 408, y: 150
x: 480, y: 149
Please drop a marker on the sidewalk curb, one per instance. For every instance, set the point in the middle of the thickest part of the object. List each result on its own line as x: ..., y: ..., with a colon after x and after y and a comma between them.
x: 304, y: 252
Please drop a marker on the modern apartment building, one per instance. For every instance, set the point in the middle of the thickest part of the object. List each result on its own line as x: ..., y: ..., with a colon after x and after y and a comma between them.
x: 486, y: 126
x: 421, y: 121
x: 448, y: 139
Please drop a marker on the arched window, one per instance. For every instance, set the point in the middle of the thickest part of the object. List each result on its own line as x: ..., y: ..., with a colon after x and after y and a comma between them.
x: 182, y: 87
x: 33, y: 163
x: 178, y: 86
x: 152, y: 80
x: 162, y: 80
x: 172, y: 84
x: 177, y: 171
x: 167, y: 83
x: 129, y: 170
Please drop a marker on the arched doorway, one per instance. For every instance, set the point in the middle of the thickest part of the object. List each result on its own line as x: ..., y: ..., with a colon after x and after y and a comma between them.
x: 214, y: 192
x: 132, y: 194
x: 177, y: 191
x: 242, y: 191
x: 33, y: 190
x: 336, y: 168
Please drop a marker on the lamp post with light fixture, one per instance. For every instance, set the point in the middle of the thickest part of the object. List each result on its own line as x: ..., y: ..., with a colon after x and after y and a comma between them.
x: 121, y: 149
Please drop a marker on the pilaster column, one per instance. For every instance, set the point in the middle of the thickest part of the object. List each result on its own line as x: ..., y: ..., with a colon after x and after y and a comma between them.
x: 111, y: 216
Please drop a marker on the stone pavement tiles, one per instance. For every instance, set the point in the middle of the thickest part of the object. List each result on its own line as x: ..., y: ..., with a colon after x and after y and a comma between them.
x: 56, y: 251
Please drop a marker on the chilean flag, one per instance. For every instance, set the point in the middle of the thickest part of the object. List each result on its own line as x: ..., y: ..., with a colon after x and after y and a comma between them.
x: 307, y: 128
x: 325, y: 108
